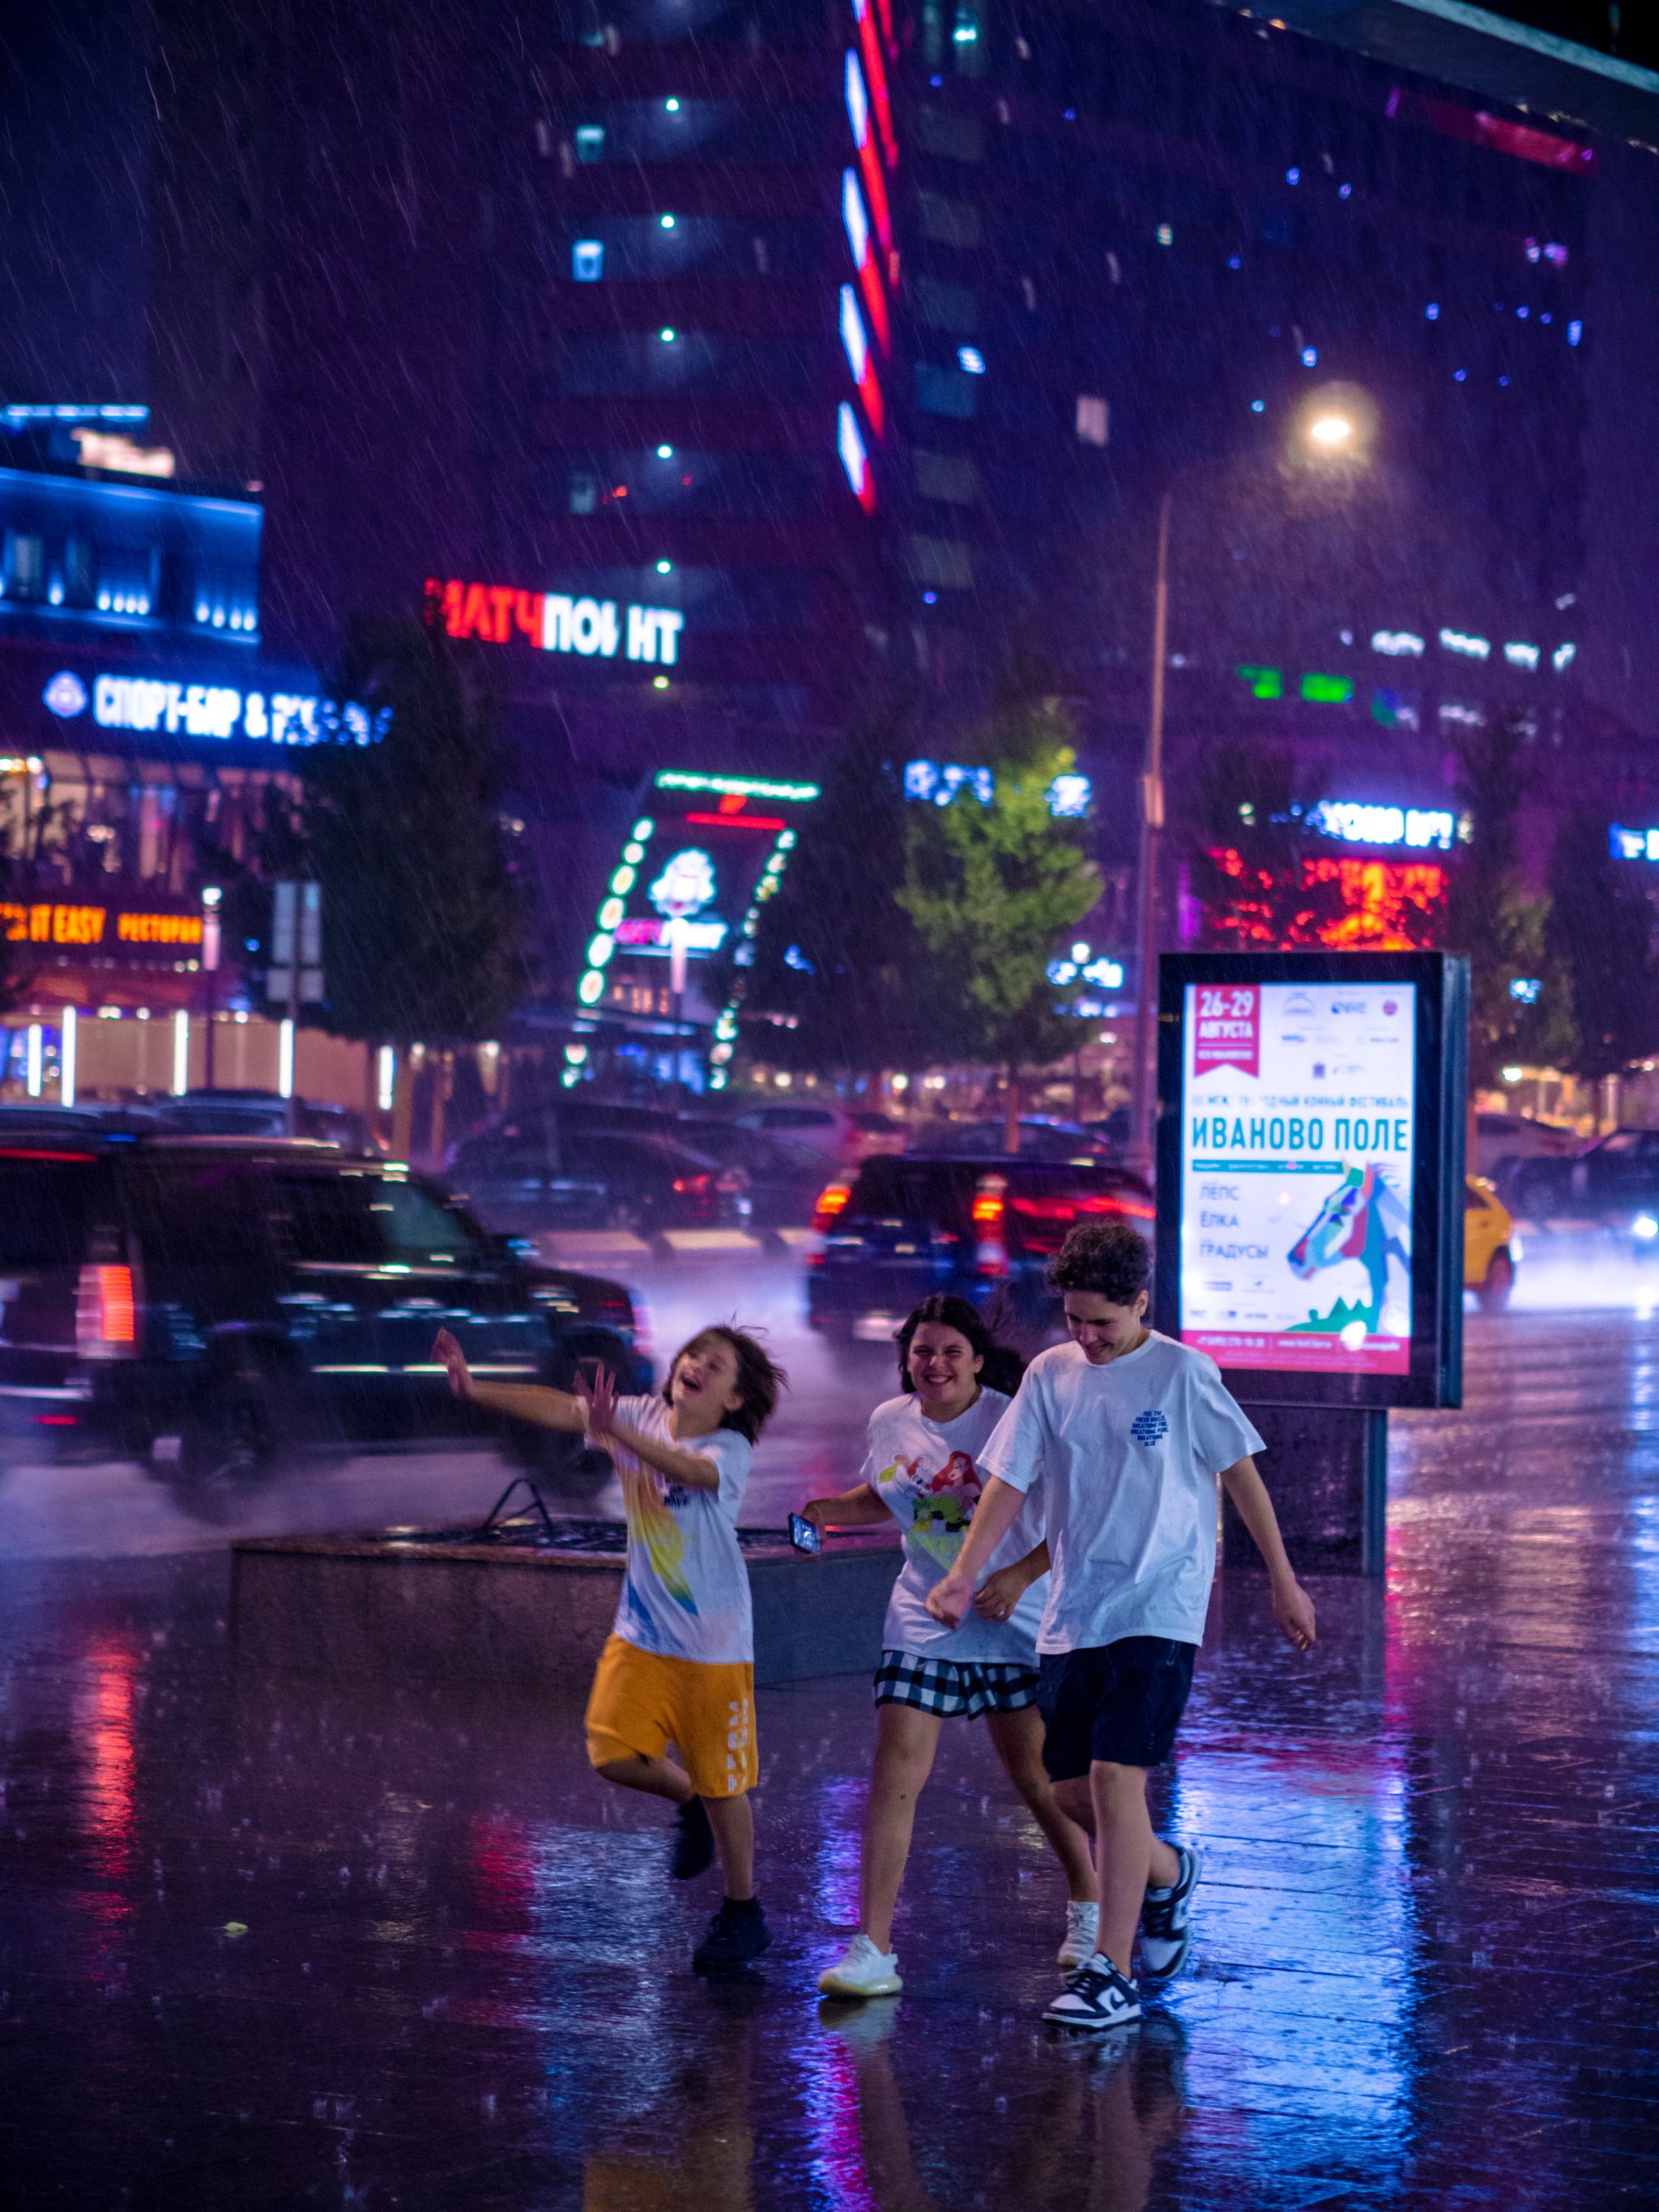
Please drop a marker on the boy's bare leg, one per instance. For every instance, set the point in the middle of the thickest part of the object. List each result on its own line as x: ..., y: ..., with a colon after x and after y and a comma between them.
x: 1129, y: 1859
x: 1018, y: 1741
x: 906, y: 1741
x: 733, y: 1823
x: 657, y: 1777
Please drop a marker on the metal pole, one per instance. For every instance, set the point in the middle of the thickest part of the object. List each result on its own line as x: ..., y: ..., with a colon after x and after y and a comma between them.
x: 1151, y: 822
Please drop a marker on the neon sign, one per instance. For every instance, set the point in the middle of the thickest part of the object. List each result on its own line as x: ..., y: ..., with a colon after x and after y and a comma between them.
x: 857, y: 347
x: 1068, y: 795
x: 1385, y: 825
x: 1633, y: 844
x: 47, y: 923
x: 557, y: 622
x: 150, y: 706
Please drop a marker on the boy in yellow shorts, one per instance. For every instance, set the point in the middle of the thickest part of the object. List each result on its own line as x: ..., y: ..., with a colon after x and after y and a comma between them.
x: 678, y: 1666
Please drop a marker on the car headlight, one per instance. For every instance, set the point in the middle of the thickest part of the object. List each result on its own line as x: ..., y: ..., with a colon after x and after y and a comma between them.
x: 1644, y: 1226
x: 1517, y: 1251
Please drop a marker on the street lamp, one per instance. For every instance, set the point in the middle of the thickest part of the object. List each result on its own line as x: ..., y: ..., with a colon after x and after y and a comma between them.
x: 210, y: 897
x: 1335, y: 423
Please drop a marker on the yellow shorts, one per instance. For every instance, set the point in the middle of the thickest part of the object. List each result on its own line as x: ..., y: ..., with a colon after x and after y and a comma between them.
x: 642, y: 1703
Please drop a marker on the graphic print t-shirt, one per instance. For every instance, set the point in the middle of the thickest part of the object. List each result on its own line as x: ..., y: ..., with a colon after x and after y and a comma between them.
x: 685, y: 1595
x: 1127, y: 1456
x: 927, y: 1474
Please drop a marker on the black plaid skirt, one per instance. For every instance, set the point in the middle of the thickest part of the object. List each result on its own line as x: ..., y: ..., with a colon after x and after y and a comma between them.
x: 952, y: 1689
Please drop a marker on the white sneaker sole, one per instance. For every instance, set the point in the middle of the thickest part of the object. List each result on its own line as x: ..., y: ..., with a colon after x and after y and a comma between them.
x: 1095, y: 2023
x: 1148, y: 1972
x: 833, y: 1984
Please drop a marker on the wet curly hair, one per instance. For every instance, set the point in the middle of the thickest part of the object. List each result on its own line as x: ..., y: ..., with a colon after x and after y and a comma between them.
x: 1106, y: 1257
x: 1003, y: 1366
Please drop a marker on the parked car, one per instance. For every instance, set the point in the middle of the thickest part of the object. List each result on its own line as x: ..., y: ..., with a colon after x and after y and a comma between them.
x: 1504, y: 1141
x: 1491, y: 1246
x: 1614, y: 1184
x: 265, y: 1113
x: 539, y: 1175
x: 900, y: 1229
x: 784, y: 1179
x: 254, y: 1298
x: 1040, y: 1138
x: 845, y: 1133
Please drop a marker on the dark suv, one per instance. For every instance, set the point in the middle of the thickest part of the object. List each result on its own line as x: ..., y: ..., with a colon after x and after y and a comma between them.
x: 901, y: 1229
x: 252, y: 1296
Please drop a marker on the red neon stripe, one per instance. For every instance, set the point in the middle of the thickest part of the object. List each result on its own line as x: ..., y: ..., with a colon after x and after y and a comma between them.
x: 18, y: 1153
x: 875, y: 300
x: 876, y: 78
x: 870, y: 393
x: 876, y: 191
x: 736, y: 821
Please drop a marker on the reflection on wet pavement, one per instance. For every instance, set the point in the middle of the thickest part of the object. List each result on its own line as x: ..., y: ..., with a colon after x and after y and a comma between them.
x: 267, y: 1944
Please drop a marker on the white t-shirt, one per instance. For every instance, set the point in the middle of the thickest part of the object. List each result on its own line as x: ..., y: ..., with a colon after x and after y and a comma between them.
x: 1127, y: 1455
x: 925, y: 1472
x: 685, y: 1595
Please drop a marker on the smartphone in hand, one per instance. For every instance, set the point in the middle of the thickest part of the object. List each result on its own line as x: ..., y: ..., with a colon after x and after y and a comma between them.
x: 803, y: 1536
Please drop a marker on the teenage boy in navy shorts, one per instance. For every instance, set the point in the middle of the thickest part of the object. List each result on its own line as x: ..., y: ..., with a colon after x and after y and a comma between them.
x: 1128, y: 1432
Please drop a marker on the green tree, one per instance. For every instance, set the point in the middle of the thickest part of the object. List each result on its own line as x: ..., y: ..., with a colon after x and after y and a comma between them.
x: 1502, y: 925
x: 424, y: 924
x: 837, y: 981
x: 991, y: 887
x: 1248, y: 835
x: 1600, y: 935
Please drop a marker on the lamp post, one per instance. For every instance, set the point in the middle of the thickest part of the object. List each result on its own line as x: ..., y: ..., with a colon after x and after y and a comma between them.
x: 210, y: 898
x: 1335, y: 424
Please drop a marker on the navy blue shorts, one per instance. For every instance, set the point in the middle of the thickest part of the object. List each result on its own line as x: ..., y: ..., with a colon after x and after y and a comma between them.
x: 1118, y: 1702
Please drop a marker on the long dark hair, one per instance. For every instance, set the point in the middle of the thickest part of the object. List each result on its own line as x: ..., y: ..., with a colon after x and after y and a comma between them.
x: 759, y: 1379
x: 1003, y: 1366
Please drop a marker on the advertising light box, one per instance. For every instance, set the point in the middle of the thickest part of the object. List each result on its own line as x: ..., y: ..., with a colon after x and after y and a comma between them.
x: 1310, y: 1172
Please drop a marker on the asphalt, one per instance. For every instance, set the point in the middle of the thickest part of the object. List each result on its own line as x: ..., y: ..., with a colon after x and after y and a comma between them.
x: 267, y: 1943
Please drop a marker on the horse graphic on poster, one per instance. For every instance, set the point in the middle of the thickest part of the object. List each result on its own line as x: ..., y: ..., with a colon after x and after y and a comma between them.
x: 1362, y: 1219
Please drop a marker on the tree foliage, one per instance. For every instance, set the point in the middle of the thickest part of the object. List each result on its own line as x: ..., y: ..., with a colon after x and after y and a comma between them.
x: 1502, y: 925
x: 1599, y: 936
x: 424, y: 925
x: 837, y: 979
x: 991, y: 888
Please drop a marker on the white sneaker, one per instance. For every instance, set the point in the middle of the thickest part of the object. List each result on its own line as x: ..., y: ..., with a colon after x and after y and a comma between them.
x: 1082, y: 1933
x: 1095, y: 1997
x: 861, y: 1971
x: 1166, y: 1934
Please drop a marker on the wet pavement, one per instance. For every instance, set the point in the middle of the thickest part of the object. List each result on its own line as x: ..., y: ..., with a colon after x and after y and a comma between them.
x: 1425, y: 1969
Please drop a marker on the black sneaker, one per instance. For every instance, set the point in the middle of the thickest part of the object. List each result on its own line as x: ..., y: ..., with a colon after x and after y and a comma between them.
x: 1166, y: 1933
x: 737, y: 1934
x: 693, y: 1841
x: 1096, y: 1996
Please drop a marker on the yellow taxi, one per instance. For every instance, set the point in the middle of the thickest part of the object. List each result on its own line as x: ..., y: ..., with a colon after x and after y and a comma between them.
x: 1492, y: 1245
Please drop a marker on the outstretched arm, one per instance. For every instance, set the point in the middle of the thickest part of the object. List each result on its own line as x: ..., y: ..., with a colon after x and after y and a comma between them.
x: 530, y: 1401
x: 693, y: 1470
x: 1292, y: 1608
x: 993, y: 1516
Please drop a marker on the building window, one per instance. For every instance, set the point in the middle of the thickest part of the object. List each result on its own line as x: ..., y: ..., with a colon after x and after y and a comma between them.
x: 941, y: 562
x: 951, y: 222
x: 584, y: 494
x: 587, y: 261
x: 968, y: 39
x: 590, y: 141
x: 945, y: 392
x: 948, y: 477
x: 946, y: 307
x: 1093, y: 421
x: 26, y: 567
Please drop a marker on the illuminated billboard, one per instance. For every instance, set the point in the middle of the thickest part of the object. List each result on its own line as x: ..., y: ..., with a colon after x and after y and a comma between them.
x: 1310, y: 1172
x: 688, y: 882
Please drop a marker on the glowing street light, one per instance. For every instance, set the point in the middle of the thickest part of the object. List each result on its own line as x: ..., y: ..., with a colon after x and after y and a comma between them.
x: 1330, y: 432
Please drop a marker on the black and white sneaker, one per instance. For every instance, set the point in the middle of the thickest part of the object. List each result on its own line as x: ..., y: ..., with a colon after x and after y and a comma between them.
x: 737, y: 1934
x: 1096, y: 1996
x: 693, y: 1841
x: 1166, y: 1934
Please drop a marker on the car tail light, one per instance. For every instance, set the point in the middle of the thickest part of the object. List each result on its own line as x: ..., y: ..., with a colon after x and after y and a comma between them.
x: 832, y: 1201
x: 990, y: 1246
x: 105, y: 1323
x: 697, y: 1185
